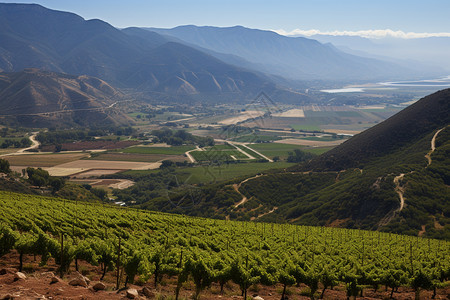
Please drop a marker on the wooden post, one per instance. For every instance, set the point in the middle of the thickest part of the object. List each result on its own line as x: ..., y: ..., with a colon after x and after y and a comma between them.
x: 61, y: 272
x: 118, y: 266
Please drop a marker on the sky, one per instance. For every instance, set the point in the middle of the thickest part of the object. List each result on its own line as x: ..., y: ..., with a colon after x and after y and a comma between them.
x: 357, y: 17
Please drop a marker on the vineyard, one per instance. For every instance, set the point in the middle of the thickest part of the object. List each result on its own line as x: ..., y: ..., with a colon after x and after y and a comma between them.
x: 148, y: 247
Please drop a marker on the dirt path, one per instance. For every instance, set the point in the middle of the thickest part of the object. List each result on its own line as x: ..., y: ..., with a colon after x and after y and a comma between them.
x: 188, y: 154
x: 35, y: 144
x: 433, y: 146
x: 266, y: 213
x: 236, y: 187
x: 400, y: 190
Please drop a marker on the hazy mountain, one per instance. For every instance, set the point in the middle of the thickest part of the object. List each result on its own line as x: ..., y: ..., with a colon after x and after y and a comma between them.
x: 36, y: 98
x: 432, y: 54
x: 33, y: 36
x: 294, y: 57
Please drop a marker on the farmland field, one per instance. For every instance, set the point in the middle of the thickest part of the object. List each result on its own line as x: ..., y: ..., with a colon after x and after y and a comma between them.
x: 173, y: 150
x: 309, y: 143
x: 44, y: 160
x: 136, y: 157
x: 218, y: 155
x: 105, y: 165
x: 281, y: 150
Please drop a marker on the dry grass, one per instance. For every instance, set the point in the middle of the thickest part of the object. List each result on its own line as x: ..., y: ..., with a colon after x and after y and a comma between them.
x: 292, y: 113
x: 245, y: 115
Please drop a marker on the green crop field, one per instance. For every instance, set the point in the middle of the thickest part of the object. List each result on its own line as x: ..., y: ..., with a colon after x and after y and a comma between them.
x: 281, y: 150
x: 256, y: 138
x: 307, y: 126
x: 203, y: 251
x: 218, y: 155
x: 174, y: 150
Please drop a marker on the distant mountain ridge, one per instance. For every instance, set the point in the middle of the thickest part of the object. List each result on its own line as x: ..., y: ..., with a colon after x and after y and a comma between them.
x: 294, y: 57
x: 36, y: 98
x: 32, y: 36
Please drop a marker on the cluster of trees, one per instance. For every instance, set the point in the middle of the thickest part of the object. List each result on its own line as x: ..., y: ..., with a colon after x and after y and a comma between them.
x: 180, y: 137
x: 4, y: 166
x: 23, y: 143
x: 41, y: 178
x: 299, y: 156
x: 54, y: 137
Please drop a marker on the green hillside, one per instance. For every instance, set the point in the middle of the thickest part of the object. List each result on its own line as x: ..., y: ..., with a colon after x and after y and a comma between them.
x: 206, y: 250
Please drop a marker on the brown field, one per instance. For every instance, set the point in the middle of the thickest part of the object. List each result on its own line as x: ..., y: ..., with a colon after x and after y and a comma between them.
x: 245, y: 115
x: 106, y: 183
x: 292, y: 113
x: 94, y: 173
x: 44, y: 160
x: 136, y: 157
x: 90, y: 145
x: 109, y: 165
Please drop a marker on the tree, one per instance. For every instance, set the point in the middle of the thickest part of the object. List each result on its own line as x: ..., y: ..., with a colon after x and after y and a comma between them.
x: 38, y: 176
x: 56, y: 184
x: 4, y: 166
x: 101, y: 193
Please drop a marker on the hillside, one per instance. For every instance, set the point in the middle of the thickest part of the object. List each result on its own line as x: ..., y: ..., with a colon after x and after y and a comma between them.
x: 32, y: 36
x: 406, y: 127
x: 36, y: 98
x: 293, y: 57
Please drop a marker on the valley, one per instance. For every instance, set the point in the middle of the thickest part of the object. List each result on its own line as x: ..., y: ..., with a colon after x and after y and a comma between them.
x: 204, y: 162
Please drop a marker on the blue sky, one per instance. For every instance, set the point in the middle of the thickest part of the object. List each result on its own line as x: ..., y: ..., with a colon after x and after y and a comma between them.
x: 322, y: 15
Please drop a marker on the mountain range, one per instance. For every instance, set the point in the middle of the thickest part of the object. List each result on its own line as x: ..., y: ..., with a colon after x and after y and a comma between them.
x: 430, y: 54
x: 292, y: 57
x: 32, y: 36
x: 186, y: 63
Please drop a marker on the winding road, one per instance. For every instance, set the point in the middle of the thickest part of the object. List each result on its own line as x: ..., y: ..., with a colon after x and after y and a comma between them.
x: 35, y: 144
x: 433, y: 146
x: 401, y: 190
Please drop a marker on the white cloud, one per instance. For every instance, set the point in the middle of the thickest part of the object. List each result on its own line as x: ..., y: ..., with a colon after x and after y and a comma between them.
x: 373, y: 34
